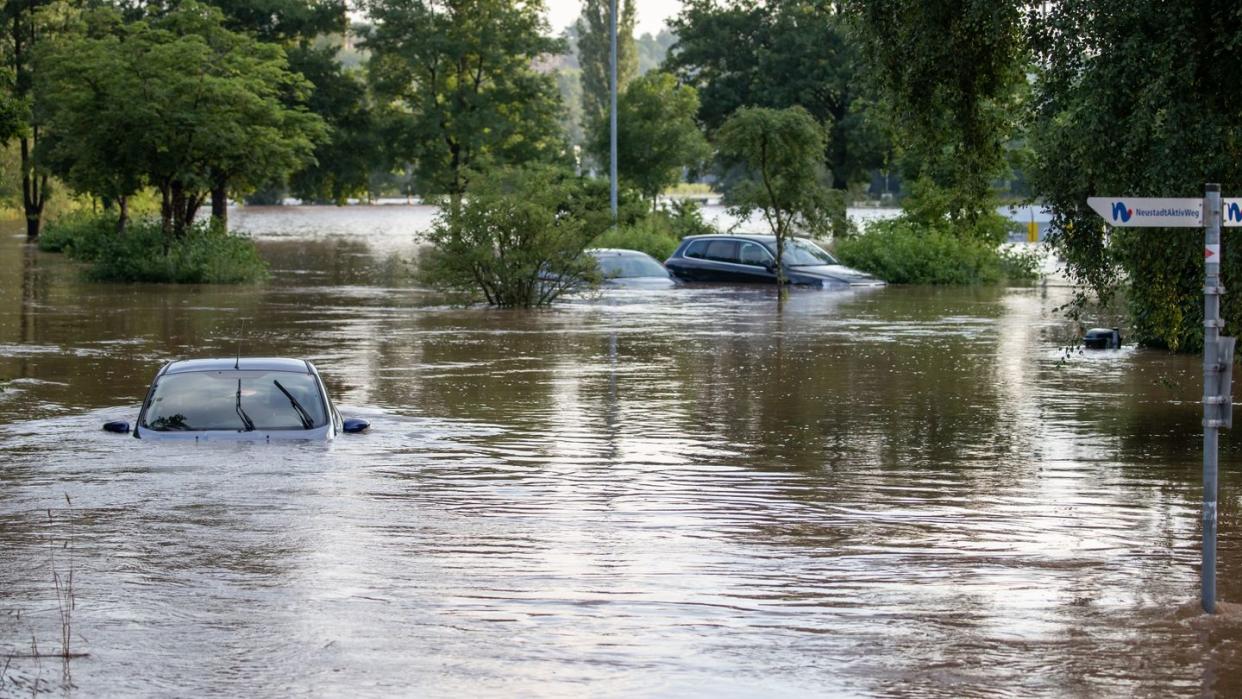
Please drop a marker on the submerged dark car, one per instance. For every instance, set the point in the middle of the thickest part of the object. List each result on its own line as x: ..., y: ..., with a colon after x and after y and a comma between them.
x: 238, y: 399
x: 752, y: 258
x: 631, y: 268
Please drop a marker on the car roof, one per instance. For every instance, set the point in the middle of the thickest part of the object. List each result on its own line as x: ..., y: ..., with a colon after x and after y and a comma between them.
x: 754, y: 237
x: 616, y: 251
x: 300, y: 366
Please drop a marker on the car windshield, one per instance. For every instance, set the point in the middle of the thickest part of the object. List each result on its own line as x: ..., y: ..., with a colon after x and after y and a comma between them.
x: 801, y: 253
x: 627, y: 266
x: 235, y: 400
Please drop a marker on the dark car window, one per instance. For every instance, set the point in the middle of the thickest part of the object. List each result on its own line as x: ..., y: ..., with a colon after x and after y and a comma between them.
x: 208, y: 400
x: 752, y: 254
x: 697, y: 249
x: 721, y: 251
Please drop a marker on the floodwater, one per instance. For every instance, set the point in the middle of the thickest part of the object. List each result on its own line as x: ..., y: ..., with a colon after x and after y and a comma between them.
x: 902, y: 492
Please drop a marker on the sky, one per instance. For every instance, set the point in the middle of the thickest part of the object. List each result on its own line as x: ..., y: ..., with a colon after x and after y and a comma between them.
x: 652, y: 14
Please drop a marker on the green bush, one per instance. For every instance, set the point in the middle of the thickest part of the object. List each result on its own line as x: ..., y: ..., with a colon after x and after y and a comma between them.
x: 205, y: 254
x: 658, y: 233
x: 903, y: 251
x: 516, y: 239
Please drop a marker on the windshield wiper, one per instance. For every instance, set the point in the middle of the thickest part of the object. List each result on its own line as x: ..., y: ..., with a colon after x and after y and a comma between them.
x: 247, y: 423
x: 307, y: 422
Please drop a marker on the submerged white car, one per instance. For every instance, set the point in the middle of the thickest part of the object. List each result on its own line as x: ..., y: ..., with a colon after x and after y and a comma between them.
x: 250, y: 399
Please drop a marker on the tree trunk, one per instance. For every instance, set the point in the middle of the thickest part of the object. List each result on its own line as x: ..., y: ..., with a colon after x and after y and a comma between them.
x: 122, y: 214
x: 220, y: 205
x: 166, y: 209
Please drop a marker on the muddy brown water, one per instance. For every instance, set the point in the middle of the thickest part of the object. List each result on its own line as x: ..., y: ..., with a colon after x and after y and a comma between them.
x: 905, y: 492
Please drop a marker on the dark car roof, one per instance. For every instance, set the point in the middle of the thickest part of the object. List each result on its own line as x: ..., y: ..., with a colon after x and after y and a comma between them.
x: 755, y: 237
x: 245, y: 364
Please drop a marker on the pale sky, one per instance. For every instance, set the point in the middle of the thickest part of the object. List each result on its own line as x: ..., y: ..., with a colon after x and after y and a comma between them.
x: 652, y: 14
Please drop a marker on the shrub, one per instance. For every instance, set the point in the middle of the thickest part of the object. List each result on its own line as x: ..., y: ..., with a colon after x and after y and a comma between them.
x: 903, y: 251
x: 205, y: 254
x: 658, y: 234
x: 516, y: 239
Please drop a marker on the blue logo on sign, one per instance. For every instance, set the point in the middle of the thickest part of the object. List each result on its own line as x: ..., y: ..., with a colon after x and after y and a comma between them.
x: 1233, y: 213
x: 1120, y: 212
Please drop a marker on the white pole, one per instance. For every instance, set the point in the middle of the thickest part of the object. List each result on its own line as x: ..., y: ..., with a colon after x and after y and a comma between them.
x: 612, y: 112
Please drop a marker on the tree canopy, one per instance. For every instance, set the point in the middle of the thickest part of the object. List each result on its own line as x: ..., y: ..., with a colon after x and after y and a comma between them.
x: 458, y: 76
x: 595, y: 51
x: 949, y: 73
x: 1131, y: 100
x: 177, y: 102
x: 780, y: 150
x: 784, y: 53
x: 657, y: 134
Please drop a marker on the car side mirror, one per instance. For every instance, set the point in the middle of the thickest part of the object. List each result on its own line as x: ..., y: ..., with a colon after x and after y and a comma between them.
x: 770, y: 265
x: 117, y: 426
x: 354, y: 425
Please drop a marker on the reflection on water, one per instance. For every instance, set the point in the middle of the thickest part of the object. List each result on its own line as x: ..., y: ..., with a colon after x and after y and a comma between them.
x: 902, y: 491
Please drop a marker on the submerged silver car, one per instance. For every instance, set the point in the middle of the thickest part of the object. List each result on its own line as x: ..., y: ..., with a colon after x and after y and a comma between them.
x: 251, y: 399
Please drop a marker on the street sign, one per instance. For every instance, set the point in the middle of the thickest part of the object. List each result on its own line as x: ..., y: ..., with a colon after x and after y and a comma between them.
x: 1152, y: 212
x: 1209, y: 213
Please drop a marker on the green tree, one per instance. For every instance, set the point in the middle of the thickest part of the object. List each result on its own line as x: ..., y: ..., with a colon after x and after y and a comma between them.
x: 781, y: 150
x: 24, y: 27
x: 950, y: 72
x: 458, y: 74
x: 1132, y: 98
x: 743, y: 53
x: 517, y: 239
x: 594, y: 55
x: 656, y: 134
x: 353, y: 148
x: 177, y: 102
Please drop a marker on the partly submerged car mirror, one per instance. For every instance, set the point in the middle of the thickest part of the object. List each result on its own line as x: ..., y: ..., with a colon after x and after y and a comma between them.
x: 355, y: 425
x: 118, y: 426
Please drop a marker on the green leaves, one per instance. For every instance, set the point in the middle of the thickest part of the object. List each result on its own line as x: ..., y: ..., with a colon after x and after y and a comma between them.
x: 458, y: 77
x: 780, y: 150
x: 656, y: 133
x: 740, y: 53
x: 1133, y: 98
x: 177, y: 102
x: 517, y: 239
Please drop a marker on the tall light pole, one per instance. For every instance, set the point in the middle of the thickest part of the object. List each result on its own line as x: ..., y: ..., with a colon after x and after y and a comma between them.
x: 612, y: 110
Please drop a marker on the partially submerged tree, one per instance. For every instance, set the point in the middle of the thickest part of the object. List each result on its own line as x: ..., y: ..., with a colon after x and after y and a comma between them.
x: 781, y: 151
x: 657, y: 135
x: 517, y: 238
x: 460, y: 79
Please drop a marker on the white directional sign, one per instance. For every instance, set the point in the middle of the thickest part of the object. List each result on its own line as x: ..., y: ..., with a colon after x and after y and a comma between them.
x: 1149, y: 212
x: 1162, y: 212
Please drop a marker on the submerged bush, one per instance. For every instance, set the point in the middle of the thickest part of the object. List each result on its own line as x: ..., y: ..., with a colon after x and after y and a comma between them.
x: 904, y: 251
x: 204, y: 254
x: 517, y: 238
x: 659, y: 233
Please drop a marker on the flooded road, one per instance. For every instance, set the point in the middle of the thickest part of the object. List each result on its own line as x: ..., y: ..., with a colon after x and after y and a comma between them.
x: 902, y: 492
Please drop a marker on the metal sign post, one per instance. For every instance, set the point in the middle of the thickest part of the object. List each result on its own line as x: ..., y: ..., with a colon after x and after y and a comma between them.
x: 1212, y: 399
x: 1210, y: 212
